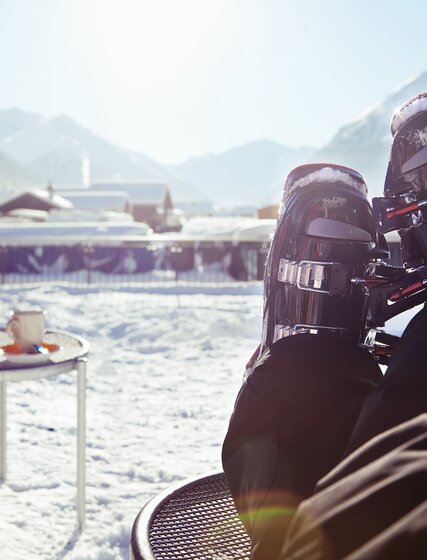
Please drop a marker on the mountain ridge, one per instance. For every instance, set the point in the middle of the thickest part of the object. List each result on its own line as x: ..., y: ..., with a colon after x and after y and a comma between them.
x: 251, y: 170
x: 51, y: 150
x: 37, y: 150
x: 364, y: 143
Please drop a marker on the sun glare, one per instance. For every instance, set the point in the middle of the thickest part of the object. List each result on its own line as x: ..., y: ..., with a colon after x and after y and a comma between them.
x: 147, y: 43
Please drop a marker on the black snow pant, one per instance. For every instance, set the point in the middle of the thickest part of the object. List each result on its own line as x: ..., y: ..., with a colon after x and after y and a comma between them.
x: 291, y: 424
x: 309, y: 403
x: 372, y: 506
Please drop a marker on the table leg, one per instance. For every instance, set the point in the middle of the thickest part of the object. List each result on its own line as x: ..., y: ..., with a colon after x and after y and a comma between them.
x: 81, y: 441
x: 2, y: 430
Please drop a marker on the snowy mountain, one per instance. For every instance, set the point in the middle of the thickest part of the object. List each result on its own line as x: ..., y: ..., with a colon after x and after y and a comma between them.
x: 53, y: 149
x: 365, y: 143
x: 255, y: 172
x: 247, y: 174
x: 37, y: 150
x: 13, y: 121
x: 12, y: 175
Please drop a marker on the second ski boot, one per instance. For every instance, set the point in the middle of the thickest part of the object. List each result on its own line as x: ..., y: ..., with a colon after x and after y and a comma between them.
x: 404, y: 208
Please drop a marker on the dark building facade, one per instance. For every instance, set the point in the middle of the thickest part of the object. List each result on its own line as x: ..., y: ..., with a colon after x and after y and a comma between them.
x: 148, y: 202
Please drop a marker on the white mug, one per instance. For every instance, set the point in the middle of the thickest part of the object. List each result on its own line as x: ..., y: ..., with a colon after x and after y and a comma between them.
x: 26, y: 327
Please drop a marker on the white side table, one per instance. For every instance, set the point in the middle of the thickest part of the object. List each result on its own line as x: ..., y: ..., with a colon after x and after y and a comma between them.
x: 72, y: 356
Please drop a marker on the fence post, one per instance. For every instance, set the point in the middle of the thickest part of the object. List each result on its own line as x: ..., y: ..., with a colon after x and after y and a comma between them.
x: 87, y: 251
x: 3, y: 260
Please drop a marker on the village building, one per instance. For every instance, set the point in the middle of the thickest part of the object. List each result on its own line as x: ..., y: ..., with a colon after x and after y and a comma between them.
x: 148, y: 202
x: 35, y: 199
x: 268, y: 212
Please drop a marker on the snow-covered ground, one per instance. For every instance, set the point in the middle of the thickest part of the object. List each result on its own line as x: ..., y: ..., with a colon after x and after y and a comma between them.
x: 163, y: 373
x: 164, y: 369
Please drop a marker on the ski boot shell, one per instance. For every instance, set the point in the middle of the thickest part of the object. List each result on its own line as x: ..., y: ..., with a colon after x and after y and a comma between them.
x: 325, y: 238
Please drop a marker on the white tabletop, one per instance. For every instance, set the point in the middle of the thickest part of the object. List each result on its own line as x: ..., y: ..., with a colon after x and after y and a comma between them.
x: 72, y: 348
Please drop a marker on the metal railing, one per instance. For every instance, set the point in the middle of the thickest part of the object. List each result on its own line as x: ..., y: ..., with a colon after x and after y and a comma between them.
x: 129, y: 261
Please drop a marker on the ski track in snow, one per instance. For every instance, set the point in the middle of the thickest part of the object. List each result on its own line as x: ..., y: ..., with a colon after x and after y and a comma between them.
x: 163, y: 373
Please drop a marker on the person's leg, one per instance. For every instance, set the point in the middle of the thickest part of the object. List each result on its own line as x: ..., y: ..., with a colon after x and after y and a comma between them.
x: 372, y: 505
x: 291, y: 423
x: 402, y: 394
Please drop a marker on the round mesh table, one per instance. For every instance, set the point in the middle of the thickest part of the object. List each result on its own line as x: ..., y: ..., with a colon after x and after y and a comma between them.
x: 71, y: 356
x: 194, y: 520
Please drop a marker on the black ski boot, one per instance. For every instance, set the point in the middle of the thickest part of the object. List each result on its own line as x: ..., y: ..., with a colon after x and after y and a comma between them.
x: 404, y: 209
x: 324, y: 241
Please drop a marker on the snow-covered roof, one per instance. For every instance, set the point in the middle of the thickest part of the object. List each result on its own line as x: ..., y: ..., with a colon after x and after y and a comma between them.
x: 89, y: 200
x: 54, y: 200
x: 29, y: 214
x: 71, y: 229
x: 229, y: 228
x: 413, y: 106
x: 85, y: 215
x: 261, y: 231
x: 142, y: 193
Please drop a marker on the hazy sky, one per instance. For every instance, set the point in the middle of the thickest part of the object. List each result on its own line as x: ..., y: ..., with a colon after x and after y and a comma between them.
x: 177, y: 78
